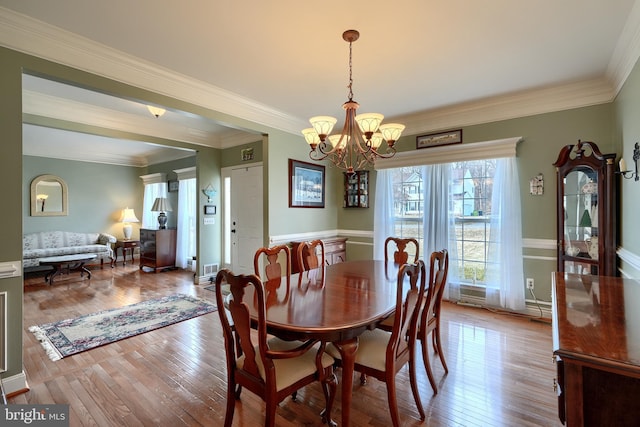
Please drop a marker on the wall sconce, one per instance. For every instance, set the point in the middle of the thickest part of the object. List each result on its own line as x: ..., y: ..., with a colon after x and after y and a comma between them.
x: 628, y: 173
x: 209, y: 192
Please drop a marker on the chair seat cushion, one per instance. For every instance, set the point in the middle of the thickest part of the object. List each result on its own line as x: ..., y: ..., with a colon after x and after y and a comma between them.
x: 372, y: 349
x: 288, y: 371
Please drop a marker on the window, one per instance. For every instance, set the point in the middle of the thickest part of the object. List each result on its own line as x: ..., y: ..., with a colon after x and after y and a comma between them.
x: 470, y: 191
x: 466, y: 199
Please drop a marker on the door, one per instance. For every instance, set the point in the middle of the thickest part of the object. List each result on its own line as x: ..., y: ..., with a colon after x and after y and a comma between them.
x: 246, y: 217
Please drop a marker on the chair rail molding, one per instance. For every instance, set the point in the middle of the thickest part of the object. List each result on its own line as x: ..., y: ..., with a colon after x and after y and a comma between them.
x: 630, y: 258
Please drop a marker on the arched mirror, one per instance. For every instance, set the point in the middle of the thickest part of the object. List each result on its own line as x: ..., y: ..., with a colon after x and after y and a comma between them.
x: 49, y: 195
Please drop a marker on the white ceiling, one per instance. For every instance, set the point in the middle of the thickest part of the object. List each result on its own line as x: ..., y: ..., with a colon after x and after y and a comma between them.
x: 429, y: 63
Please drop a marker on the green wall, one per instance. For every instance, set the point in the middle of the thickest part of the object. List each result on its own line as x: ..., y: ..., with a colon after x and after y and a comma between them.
x: 627, y: 107
x: 97, y: 195
x: 284, y: 220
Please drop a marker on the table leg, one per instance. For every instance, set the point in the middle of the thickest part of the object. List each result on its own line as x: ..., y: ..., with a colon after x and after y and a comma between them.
x: 48, y: 278
x: 84, y: 269
x: 347, y: 351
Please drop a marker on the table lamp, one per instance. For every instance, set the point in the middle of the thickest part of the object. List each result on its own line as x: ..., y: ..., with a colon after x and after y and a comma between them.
x: 161, y: 205
x: 128, y: 216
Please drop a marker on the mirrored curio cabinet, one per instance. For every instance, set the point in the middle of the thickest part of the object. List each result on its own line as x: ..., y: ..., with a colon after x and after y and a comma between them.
x: 356, y: 189
x: 586, y: 216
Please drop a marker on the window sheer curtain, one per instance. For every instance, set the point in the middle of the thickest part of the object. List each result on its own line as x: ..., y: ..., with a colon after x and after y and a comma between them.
x: 438, y: 227
x: 186, y: 233
x: 151, y: 191
x: 383, y: 216
x: 505, y: 276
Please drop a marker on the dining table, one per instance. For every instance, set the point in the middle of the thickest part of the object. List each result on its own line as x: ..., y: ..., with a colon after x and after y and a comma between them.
x: 334, y: 303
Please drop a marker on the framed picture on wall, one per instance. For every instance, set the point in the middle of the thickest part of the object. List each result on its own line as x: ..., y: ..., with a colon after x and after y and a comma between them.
x: 437, y: 139
x: 173, y: 185
x: 306, y: 185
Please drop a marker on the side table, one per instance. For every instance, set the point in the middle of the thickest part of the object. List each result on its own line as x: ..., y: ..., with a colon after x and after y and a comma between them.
x: 126, y: 246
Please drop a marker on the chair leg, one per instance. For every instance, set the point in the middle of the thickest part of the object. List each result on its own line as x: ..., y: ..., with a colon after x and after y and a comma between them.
x: 294, y: 395
x: 231, y: 405
x: 270, y: 415
x: 438, y: 346
x: 393, y: 401
x: 427, y: 364
x: 329, y: 386
x: 414, y: 385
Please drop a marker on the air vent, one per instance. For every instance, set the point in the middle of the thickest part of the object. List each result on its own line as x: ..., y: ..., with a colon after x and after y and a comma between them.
x: 210, y: 269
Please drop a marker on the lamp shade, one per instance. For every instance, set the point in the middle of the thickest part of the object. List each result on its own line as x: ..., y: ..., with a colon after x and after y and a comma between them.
x: 129, y: 215
x: 161, y: 204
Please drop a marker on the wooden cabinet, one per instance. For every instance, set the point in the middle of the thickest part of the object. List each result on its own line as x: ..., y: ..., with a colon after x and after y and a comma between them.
x: 586, y: 210
x: 356, y: 189
x: 157, y: 248
x: 335, y: 251
x: 596, y: 343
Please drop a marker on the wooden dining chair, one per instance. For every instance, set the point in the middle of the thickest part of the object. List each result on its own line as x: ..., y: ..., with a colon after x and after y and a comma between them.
x: 430, y: 317
x: 272, y: 369
x: 383, y: 354
x: 310, y: 255
x: 277, y: 265
x: 399, y: 246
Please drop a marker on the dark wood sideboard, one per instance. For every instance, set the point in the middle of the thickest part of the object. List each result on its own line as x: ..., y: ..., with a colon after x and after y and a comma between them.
x: 157, y: 248
x: 596, y: 345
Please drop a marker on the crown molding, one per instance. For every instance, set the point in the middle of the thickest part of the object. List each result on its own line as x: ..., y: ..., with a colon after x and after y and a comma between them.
x: 511, y: 106
x: 627, y: 50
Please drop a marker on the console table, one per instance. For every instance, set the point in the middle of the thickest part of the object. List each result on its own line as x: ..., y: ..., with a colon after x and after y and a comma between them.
x: 596, y: 345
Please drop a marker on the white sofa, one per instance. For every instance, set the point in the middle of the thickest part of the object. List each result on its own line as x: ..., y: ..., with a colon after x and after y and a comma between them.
x: 54, y: 243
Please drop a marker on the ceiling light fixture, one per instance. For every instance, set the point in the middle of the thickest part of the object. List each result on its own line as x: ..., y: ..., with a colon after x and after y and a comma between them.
x: 358, y: 145
x: 156, y: 111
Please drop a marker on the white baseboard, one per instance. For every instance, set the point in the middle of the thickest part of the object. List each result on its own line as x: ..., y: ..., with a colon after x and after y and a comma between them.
x: 531, y: 308
x: 15, y: 383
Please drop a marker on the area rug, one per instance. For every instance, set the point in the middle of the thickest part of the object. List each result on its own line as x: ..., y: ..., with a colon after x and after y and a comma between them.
x: 71, y: 336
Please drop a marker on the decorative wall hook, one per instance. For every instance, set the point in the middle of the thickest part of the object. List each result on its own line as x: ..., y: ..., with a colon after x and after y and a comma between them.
x: 628, y: 173
x: 209, y: 192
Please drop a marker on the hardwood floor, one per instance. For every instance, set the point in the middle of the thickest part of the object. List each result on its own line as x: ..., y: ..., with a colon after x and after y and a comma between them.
x: 500, y: 366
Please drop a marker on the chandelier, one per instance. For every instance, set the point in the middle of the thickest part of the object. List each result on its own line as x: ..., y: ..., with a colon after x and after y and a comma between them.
x: 357, y: 146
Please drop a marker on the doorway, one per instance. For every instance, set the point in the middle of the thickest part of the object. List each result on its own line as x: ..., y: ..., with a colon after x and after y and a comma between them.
x: 243, y: 216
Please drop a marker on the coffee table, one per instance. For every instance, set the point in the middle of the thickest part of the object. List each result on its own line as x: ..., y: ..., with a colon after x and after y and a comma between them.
x: 71, y: 262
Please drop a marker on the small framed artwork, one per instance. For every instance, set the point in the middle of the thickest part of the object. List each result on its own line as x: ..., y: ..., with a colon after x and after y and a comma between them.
x: 246, y: 154
x: 209, y: 209
x: 306, y: 185
x: 441, y: 138
x: 173, y: 185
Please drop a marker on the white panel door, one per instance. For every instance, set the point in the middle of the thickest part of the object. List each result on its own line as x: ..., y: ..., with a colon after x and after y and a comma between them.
x: 246, y: 217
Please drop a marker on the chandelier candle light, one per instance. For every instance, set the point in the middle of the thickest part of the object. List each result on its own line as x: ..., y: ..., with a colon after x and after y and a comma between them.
x: 357, y: 146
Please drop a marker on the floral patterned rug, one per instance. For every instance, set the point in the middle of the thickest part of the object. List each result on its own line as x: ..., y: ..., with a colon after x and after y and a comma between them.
x: 71, y: 336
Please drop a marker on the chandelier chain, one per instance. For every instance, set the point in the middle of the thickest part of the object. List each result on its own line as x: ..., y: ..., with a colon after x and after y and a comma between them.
x: 350, y: 74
